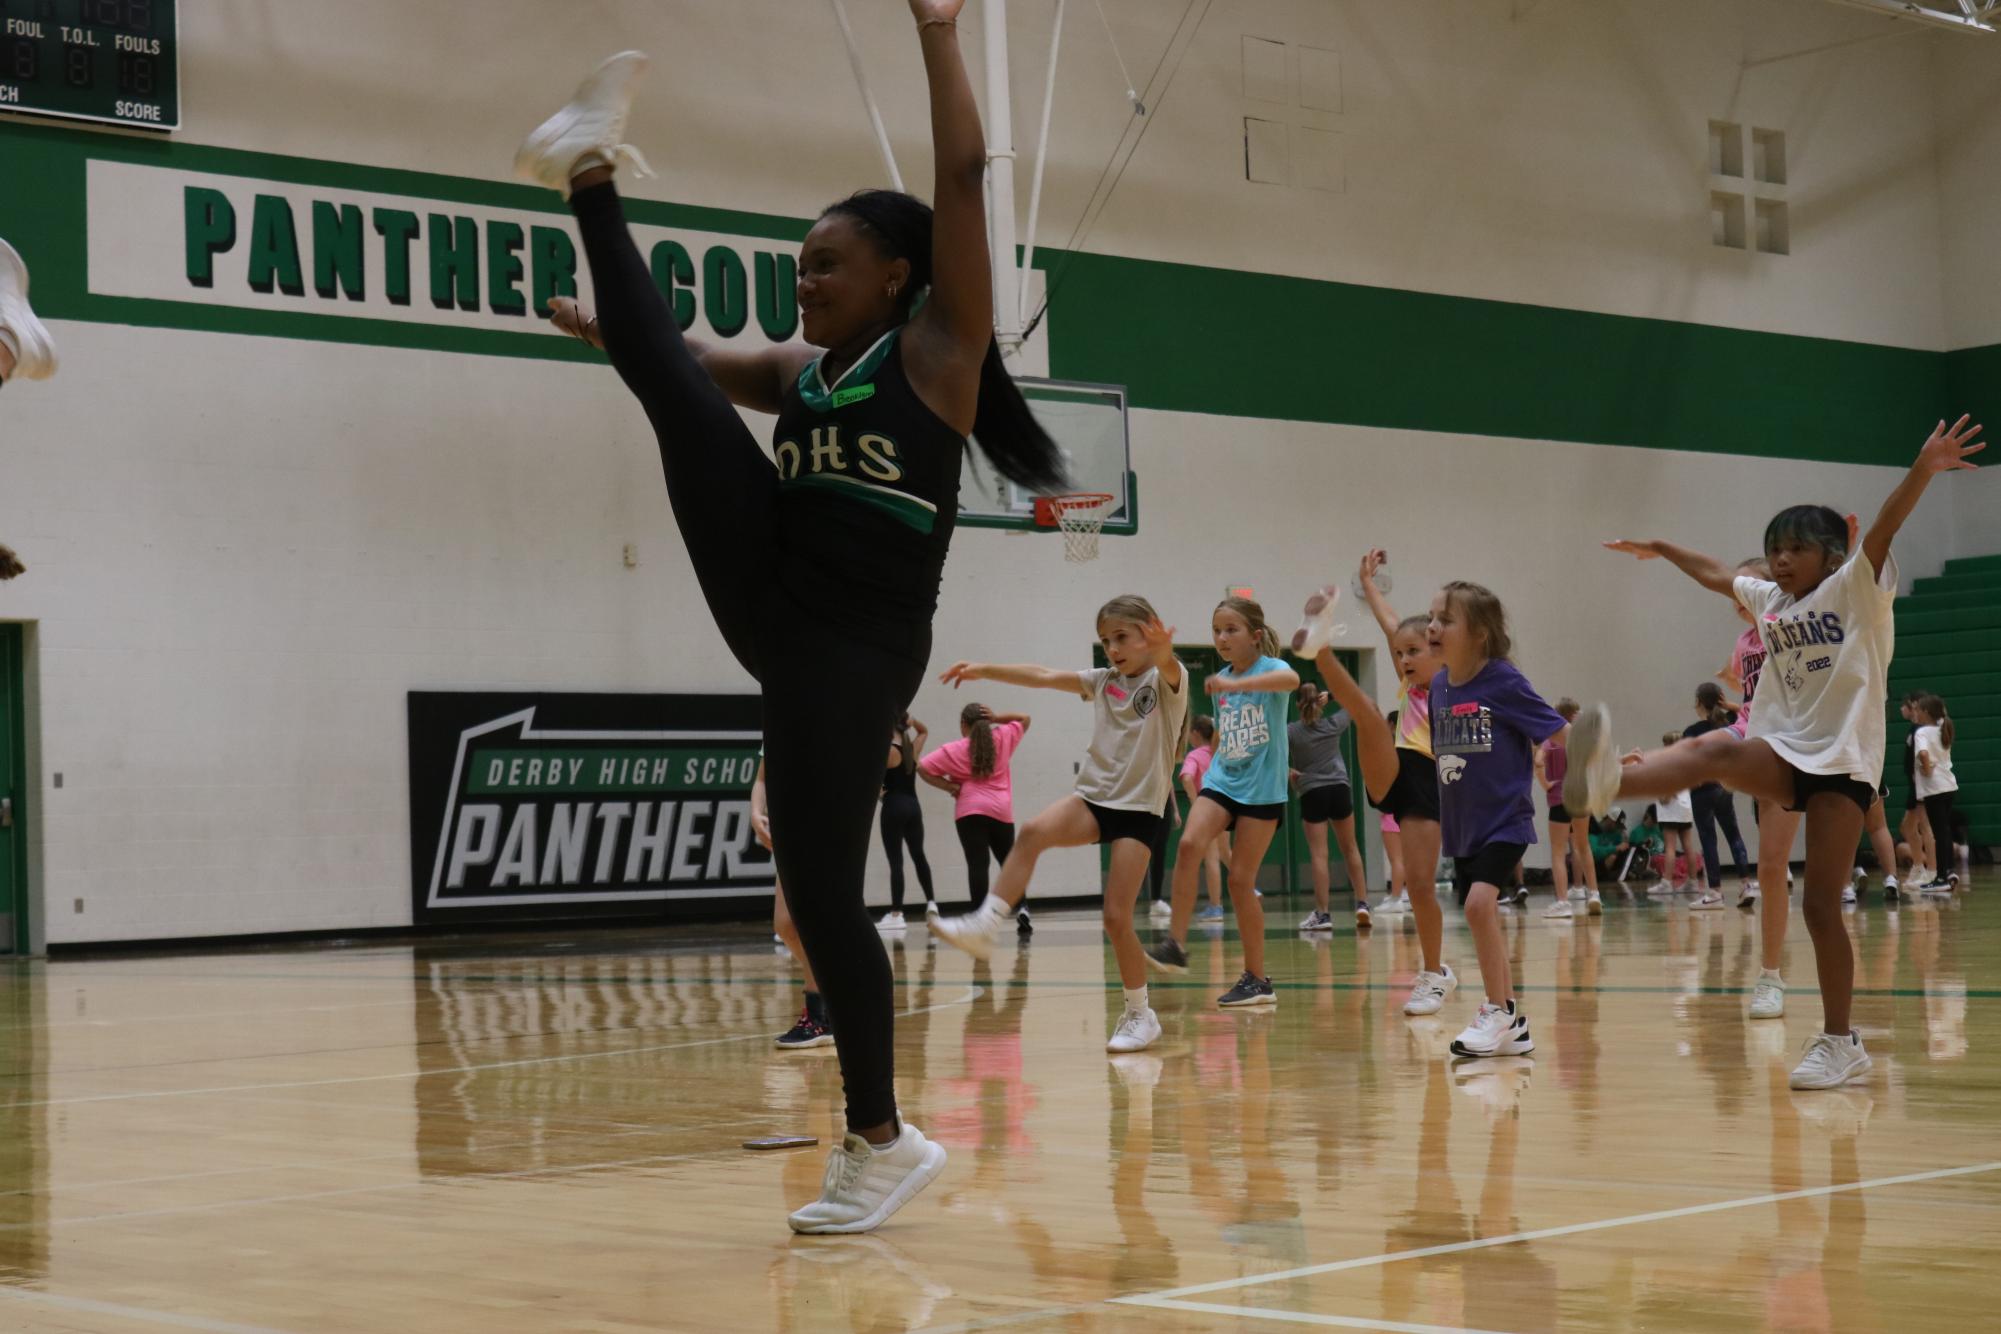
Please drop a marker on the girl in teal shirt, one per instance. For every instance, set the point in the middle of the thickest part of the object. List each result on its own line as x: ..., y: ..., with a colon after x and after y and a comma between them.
x: 1244, y: 790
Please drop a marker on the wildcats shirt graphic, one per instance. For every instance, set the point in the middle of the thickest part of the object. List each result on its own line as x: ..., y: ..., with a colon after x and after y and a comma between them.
x: 1465, y: 729
x: 559, y: 805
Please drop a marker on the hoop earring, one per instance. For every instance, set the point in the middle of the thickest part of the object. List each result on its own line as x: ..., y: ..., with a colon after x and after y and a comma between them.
x: 893, y: 290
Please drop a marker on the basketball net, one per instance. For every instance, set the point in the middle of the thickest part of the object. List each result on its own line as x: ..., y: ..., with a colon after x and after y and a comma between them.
x: 1080, y: 518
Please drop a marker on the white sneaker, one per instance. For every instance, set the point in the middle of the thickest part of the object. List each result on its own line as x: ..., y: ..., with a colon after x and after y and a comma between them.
x: 25, y: 336
x: 1768, y: 998
x: 1710, y: 902
x: 1561, y: 908
x: 1429, y: 990
x: 1576, y: 893
x: 1161, y: 911
x: 930, y: 908
x: 1316, y: 627
x: 890, y: 921
x: 1137, y: 1031
x: 1317, y: 921
x: 588, y: 130
x: 1660, y: 888
x: 864, y: 1185
x: 1592, y: 782
x: 1831, y: 1061
x: 972, y: 932
x: 1749, y: 898
x: 1390, y: 907
x: 1848, y: 893
x: 1594, y: 905
x: 1494, y: 1032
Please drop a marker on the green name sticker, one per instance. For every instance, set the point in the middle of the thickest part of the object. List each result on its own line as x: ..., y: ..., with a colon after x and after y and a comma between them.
x: 843, y: 397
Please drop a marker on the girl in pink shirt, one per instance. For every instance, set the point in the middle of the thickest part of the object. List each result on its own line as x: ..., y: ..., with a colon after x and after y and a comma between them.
x: 1202, y: 750
x: 977, y: 770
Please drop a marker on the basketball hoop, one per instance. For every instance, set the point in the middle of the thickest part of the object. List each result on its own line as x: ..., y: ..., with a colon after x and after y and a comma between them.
x: 1080, y: 517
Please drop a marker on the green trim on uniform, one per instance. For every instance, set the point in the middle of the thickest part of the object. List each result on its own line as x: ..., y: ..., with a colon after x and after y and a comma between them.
x: 819, y: 396
x: 905, y: 508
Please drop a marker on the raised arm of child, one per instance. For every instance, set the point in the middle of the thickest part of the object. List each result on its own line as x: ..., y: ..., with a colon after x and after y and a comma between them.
x: 1379, y: 605
x: 1014, y: 674
x: 1708, y: 571
x: 999, y: 719
x: 1945, y: 451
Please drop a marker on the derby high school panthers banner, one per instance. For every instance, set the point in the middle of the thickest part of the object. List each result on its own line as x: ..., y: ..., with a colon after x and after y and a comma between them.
x: 560, y: 805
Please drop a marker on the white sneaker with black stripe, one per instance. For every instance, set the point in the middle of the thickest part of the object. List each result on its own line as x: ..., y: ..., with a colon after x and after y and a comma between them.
x: 1495, y: 1031
x: 1830, y: 1061
x: 1429, y: 990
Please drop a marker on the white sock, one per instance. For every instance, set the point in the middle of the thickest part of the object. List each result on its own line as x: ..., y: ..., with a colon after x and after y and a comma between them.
x: 1135, y: 999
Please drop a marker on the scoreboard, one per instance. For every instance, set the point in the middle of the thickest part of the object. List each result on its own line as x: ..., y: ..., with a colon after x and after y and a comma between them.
x: 114, y: 61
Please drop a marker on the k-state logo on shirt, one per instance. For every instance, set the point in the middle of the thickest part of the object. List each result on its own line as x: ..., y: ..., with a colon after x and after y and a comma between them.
x: 1450, y: 768
x: 1145, y: 700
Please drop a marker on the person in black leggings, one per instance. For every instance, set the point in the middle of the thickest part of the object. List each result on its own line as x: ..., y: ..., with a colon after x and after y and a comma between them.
x: 1712, y: 801
x: 821, y: 563
x: 903, y: 820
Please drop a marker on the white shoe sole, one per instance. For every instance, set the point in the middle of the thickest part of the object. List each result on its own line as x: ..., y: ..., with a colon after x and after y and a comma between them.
x: 1255, y: 1003
x: 1853, y: 1073
x: 1592, y: 783
x: 976, y: 943
x: 824, y: 1040
x: 1317, y: 629
x: 920, y: 1176
x: 37, y: 358
x: 591, y: 122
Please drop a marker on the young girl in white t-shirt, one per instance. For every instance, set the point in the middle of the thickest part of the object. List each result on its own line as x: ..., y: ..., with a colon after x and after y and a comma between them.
x: 1935, y: 784
x: 1139, y: 725
x: 1815, y: 743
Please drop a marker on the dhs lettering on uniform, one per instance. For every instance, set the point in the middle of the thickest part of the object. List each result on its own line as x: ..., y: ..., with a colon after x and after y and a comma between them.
x: 876, y: 457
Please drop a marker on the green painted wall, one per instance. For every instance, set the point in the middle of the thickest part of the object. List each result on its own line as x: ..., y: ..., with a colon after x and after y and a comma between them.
x: 1182, y: 337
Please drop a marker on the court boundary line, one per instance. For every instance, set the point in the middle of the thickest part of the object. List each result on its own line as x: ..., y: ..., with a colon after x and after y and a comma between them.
x: 1171, y: 1298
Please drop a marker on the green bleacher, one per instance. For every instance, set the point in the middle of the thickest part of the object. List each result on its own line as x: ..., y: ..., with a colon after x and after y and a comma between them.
x: 1949, y: 642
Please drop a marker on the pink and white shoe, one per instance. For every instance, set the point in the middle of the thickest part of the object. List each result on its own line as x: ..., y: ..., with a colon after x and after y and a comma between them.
x: 1316, y: 627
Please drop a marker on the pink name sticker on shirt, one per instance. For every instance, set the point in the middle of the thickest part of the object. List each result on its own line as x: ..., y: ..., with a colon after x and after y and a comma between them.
x: 1464, y: 710
x: 1115, y: 692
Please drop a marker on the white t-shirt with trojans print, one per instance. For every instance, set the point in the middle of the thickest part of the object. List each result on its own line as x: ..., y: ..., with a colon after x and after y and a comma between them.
x: 1827, y: 665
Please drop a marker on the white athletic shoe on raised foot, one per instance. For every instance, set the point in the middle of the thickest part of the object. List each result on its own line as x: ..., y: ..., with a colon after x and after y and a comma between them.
x: 1768, y: 998
x: 1592, y: 782
x: 1316, y: 626
x: 890, y: 921
x: 1137, y: 1030
x: 865, y: 1184
x: 588, y: 131
x: 1830, y: 1061
x: 1428, y: 991
x: 931, y: 908
x: 973, y: 932
x: 24, y: 335
x: 1560, y: 909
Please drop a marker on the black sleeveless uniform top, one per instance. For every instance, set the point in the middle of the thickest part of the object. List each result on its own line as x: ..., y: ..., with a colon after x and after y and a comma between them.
x: 899, y: 781
x: 868, y: 494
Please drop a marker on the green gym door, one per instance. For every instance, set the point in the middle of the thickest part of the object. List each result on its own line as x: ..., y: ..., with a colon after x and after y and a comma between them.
x: 13, y: 764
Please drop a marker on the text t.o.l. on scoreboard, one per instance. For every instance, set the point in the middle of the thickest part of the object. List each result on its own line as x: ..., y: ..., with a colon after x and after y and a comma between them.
x: 114, y: 61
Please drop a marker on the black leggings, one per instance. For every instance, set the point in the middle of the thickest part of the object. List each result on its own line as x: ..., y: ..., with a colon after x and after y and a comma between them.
x: 1156, y: 866
x: 825, y: 764
x: 1938, y: 810
x: 981, y: 835
x: 1713, y: 806
x: 903, y: 824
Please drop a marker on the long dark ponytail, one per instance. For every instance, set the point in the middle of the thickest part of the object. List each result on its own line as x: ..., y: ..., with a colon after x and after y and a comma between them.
x: 981, y: 755
x: 1003, y: 427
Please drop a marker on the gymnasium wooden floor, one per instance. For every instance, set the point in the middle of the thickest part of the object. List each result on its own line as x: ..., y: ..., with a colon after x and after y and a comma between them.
x: 541, y: 1134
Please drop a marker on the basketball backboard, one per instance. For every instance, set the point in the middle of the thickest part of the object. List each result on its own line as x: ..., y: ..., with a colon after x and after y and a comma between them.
x: 1088, y: 422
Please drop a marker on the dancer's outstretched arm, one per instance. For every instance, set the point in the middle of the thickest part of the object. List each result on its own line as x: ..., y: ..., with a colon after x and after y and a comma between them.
x: 948, y: 339
x: 755, y: 378
x: 1945, y: 451
x: 1708, y: 571
x: 1014, y: 674
x: 1379, y: 605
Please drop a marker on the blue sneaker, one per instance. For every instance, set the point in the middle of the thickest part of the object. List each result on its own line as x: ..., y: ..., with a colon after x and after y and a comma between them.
x: 1212, y: 913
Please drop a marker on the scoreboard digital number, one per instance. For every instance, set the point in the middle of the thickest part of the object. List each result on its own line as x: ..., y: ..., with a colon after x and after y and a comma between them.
x: 112, y: 61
